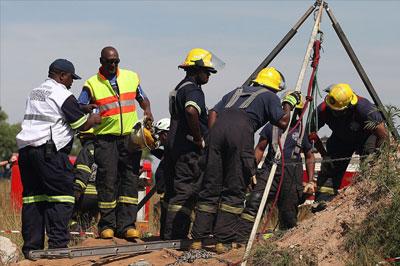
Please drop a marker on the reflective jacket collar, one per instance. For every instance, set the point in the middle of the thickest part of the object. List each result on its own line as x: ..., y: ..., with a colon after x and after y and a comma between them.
x: 102, y: 73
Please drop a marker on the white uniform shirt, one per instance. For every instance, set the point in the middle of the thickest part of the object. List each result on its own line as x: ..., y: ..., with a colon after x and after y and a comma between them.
x: 45, y: 109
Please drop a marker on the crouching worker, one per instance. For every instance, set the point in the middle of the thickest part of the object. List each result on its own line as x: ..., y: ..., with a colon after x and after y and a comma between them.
x: 86, y: 209
x: 230, y: 163
x: 357, y: 126
x: 161, y: 128
x: 291, y: 191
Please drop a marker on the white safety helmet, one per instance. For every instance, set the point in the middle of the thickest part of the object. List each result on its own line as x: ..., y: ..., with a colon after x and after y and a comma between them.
x: 162, y: 125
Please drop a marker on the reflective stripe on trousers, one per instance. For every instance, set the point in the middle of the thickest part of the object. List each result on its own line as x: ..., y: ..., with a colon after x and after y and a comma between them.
x: 248, y: 217
x: 41, y: 198
x: 179, y: 208
x: 206, y: 208
x: 230, y: 209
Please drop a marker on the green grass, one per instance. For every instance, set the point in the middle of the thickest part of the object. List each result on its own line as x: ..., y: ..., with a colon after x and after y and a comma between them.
x: 378, y: 236
x: 268, y: 253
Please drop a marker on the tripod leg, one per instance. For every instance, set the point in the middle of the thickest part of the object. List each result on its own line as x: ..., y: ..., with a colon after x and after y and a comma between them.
x: 360, y: 70
x: 282, y: 43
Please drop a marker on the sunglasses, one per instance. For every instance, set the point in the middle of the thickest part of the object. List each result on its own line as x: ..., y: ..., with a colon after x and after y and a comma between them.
x: 110, y: 61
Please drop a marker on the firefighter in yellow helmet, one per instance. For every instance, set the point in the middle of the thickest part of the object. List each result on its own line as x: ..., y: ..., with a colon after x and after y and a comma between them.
x: 231, y: 164
x: 357, y: 126
x: 186, y: 140
x: 291, y: 192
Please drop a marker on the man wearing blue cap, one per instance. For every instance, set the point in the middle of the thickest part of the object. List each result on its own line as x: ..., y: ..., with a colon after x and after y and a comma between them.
x: 52, y: 114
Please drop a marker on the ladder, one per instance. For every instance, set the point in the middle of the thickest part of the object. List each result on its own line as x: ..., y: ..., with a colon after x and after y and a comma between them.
x: 114, y: 250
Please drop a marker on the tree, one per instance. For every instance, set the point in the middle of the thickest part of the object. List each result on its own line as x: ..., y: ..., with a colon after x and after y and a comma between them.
x: 8, y: 132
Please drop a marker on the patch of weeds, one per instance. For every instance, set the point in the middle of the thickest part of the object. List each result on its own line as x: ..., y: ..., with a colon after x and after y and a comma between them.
x: 378, y: 236
x: 270, y: 254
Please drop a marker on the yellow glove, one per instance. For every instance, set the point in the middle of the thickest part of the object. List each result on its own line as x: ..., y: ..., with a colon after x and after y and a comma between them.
x: 309, y: 188
x: 253, y: 182
x: 148, y: 137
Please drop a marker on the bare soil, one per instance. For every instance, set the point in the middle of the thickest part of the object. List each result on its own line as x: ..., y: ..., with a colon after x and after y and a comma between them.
x: 321, y: 235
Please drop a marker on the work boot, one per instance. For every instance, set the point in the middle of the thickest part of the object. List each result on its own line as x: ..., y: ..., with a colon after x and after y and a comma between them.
x: 318, y: 206
x: 107, y: 233
x: 132, y: 233
x: 196, y: 245
x: 221, y: 248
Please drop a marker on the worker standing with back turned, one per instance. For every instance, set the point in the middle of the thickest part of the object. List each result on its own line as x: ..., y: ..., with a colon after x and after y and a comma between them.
x: 231, y: 164
x: 52, y: 113
x: 186, y: 141
x: 115, y: 90
x: 291, y: 189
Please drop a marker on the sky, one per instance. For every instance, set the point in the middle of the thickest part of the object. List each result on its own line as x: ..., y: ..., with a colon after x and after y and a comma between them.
x: 153, y: 38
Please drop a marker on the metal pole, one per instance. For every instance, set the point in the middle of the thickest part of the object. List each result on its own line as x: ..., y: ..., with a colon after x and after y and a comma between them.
x: 282, y: 43
x: 346, y: 44
x: 283, y: 138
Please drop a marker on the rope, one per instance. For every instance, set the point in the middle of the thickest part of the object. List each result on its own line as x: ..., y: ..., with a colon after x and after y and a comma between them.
x: 271, y: 211
x: 313, y: 79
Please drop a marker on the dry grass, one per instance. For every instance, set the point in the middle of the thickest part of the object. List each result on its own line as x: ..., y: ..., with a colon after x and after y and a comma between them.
x: 10, y: 218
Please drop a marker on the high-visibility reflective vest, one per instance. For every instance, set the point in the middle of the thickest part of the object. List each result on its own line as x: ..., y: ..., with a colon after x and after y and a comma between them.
x: 118, y: 112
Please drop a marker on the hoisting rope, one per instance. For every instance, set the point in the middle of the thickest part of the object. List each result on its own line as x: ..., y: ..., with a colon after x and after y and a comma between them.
x: 309, y: 98
x: 267, y: 188
x: 312, y: 84
x: 271, y: 211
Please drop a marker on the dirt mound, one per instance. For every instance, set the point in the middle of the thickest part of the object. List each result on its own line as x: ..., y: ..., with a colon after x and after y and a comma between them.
x: 161, y: 257
x: 322, y: 236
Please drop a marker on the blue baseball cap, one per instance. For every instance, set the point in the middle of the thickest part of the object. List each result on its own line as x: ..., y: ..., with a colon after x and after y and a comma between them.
x: 65, y: 66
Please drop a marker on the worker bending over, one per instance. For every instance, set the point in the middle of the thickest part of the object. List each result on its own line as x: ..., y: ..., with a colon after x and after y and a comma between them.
x: 230, y: 163
x: 161, y: 128
x: 356, y: 125
x: 291, y: 190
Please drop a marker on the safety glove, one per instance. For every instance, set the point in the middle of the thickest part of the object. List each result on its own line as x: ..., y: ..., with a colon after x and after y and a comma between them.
x: 253, y: 183
x: 310, y: 187
x: 293, y: 99
x: 78, y: 192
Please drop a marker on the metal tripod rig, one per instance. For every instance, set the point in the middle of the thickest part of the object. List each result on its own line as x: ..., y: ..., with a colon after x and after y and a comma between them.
x: 320, y: 5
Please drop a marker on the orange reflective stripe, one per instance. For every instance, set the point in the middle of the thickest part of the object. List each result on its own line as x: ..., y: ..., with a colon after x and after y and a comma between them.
x: 102, y: 76
x: 107, y: 100
x: 128, y: 96
x: 128, y: 109
x: 115, y: 111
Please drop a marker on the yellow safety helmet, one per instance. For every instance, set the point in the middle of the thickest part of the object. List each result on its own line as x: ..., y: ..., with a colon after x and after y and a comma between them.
x: 340, y: 96
x: 201, y: 58
x: 302, y: 101
x: 271, y: 78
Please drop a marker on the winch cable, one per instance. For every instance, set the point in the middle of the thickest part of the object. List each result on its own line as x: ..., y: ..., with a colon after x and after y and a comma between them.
x: 313, y: 79
x: 309, y: 98
x: 271, y: 211
x: 283, y: 138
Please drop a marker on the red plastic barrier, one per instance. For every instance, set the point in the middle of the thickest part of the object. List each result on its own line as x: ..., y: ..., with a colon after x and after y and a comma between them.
x: 346, y: 181
x: 16, y: 184
x: 149, y: 174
